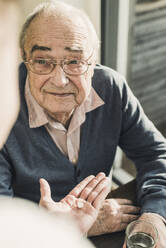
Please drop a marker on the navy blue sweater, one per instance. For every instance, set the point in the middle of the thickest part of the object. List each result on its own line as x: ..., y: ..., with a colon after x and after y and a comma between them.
x: 30, y: 153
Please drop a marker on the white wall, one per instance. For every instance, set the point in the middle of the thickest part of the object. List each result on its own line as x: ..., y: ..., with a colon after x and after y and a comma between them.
x: 27, y: 6
x: 91, y: 7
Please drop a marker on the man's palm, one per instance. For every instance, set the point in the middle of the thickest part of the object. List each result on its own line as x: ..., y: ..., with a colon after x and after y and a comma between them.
x: 83, y: 202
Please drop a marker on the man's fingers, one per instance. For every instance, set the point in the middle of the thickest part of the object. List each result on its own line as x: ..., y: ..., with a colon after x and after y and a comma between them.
x: 95, y: 182
x: 122, y: 201
x: 101, y: 191
x: 127, y: 218
x: 130, y: 209
x: 69, y: 200
x: 78, y: 189
x: 97, y: 203
x: 44, y: 189
x: 122, y: 227
x: 74, y: 202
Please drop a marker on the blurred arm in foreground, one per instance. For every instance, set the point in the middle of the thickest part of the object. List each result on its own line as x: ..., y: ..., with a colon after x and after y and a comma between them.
x: 9, y: 105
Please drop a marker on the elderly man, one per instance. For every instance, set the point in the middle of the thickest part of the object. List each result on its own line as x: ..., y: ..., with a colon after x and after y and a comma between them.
x: 73, y: 116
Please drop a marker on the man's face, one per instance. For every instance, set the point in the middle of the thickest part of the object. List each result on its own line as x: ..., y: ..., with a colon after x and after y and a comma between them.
x: 49, y: 38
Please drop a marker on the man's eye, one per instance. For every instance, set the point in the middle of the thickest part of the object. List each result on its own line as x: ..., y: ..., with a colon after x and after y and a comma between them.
x: 40, y: 61
x: 73, y: 62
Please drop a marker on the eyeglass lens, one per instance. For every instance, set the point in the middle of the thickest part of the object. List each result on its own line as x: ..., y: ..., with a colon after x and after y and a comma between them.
x: 75, y: 67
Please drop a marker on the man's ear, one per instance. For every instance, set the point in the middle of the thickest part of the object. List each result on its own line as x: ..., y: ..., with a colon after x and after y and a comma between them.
x: 94, y: 60
x: 23, y: 54
x: 92, y: 71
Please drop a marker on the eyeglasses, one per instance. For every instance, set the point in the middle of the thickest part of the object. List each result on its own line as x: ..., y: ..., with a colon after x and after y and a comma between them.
x: 43, y: 66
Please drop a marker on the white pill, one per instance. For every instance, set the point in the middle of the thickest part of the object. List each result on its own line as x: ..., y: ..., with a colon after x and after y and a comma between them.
x: 80, y: 204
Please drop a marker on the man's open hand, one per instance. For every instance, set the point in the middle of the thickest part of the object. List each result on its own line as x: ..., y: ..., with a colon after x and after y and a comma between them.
x: 83, y: 202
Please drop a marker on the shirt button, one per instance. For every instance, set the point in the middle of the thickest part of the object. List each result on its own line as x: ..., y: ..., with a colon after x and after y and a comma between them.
x: 74, y: 160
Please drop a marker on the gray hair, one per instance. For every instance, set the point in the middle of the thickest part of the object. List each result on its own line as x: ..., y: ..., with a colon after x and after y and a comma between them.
x: 58, y: 9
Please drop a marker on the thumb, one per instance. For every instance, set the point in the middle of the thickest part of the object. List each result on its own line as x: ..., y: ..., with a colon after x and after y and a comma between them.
x: 45, y: 190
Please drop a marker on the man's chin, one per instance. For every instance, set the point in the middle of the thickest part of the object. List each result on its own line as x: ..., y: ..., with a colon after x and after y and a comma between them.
x: 61, y: 110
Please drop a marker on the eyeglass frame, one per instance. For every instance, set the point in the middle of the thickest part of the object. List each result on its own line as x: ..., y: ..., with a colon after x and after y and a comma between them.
x: 61, y: 63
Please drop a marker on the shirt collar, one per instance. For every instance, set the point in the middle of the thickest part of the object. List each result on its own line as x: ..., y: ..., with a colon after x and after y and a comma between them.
x: 37, y: 116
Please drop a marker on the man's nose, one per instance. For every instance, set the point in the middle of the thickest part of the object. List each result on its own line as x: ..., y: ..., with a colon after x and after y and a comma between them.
x: 59, y: 77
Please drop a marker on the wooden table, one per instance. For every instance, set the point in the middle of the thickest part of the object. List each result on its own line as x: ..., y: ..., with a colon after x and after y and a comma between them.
x: 112, y: 240
x: 116, y: 240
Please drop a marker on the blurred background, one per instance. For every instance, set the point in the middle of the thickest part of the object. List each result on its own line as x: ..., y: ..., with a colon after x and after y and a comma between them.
x: 133, y: 42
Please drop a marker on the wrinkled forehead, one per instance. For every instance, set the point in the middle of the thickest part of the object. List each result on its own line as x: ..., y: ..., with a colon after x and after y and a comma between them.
x: 45, y: 30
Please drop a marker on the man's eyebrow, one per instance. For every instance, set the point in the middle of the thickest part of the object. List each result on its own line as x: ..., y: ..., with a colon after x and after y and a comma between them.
x: 74, y: 49
x: 41, y: 48
x: 44, y: 48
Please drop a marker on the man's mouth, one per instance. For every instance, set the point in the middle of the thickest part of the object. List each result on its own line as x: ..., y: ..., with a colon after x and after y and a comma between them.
x: 61, y: 94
